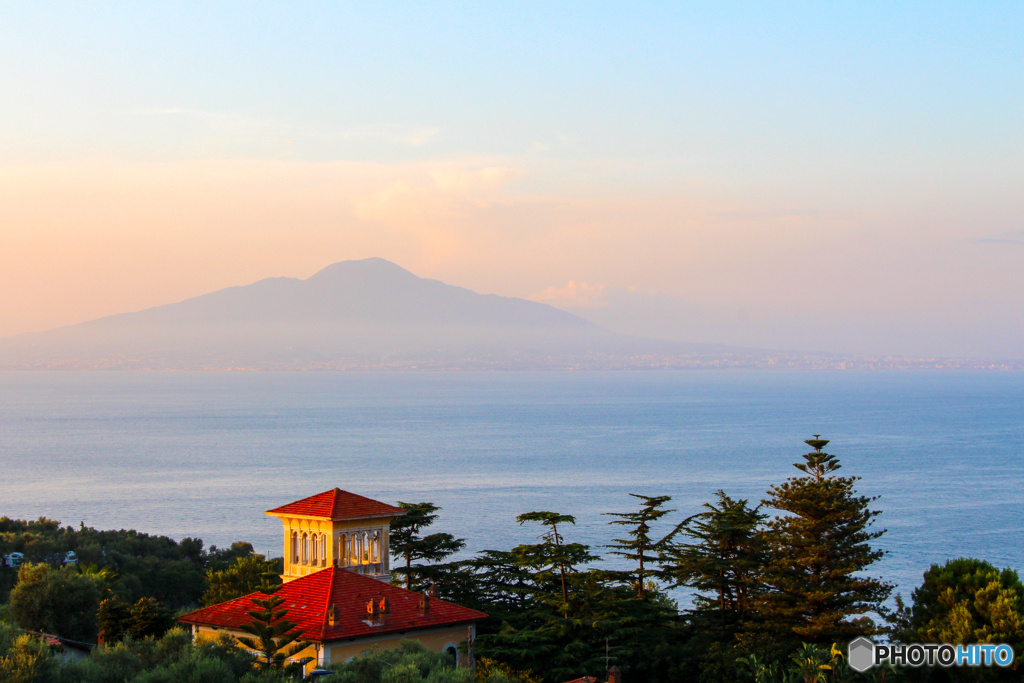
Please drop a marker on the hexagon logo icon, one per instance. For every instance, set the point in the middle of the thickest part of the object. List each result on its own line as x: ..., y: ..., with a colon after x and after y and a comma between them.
x: 860, y: 653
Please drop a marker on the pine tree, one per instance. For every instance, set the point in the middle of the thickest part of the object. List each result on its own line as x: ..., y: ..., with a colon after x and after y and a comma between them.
x: 722, y: 563
x: 275, y: 638
x: 816, y: 554
x: 554, y: 553
x: 640, y: 547
x: 408, y: 545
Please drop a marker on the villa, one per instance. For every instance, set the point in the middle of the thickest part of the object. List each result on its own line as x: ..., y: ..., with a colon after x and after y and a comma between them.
x: 337, y: 586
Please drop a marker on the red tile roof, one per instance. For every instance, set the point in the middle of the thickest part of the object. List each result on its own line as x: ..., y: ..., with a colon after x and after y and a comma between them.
x: 337, y: 504
x: 307, y: 601
x: 585, y: 679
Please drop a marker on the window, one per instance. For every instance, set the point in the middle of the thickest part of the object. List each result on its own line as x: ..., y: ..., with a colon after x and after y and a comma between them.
x: 295, y: 547
x: 342, y: 549
x: 323, y: 550
x: 314, y: 555
x: 305, y: 549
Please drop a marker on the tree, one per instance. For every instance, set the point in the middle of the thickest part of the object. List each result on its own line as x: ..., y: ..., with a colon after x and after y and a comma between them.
x: 275, y: 638
x: 722, y: 563
x: 112, y: 618
x: 640, y: 547
x: 553, y: 553
x: 406, y: 543
x: 967, y: 601
x: 816, y: 554
x: 61, y: 601
x: 147, y: 617
x: 244, y: 576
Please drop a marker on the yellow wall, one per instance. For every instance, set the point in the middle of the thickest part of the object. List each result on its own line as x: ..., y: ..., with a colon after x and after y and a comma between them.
x: 333, y: 530
x: 434, y: 640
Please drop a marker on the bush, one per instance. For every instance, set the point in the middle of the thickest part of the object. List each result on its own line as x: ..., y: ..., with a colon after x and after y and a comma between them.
x: 172, y: 658
x: 410, y: 662
x: 61, y: 601
x: 24, y: 659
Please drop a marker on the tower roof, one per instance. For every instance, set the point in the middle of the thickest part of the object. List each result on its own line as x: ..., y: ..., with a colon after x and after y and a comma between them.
x: 308, y: 600
x: 336, y: 505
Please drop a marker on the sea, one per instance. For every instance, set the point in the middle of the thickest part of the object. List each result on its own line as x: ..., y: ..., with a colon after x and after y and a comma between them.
x: 205, y: 454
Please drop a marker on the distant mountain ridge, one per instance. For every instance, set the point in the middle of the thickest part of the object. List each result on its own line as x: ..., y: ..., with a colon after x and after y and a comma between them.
x: 366, y: 314
x: 368, y: 291
x: 352, y: 314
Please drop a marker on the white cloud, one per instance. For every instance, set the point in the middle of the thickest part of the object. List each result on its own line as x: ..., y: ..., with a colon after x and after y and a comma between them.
x: 573, y: 295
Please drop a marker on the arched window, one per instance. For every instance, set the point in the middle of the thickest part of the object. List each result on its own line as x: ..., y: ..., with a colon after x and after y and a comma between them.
x: 295, y: 547
x: 314, y: 555
x: 323, y: 550
x: 305, y: 549
x: 366, y: 548
x: 375, y: 547
x: 342, y: 550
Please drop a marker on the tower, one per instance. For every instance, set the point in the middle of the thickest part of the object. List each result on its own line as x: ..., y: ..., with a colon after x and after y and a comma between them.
x: 336, y: 528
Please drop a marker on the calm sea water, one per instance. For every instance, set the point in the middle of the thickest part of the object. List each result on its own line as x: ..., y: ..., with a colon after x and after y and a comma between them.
x: 203, y: 454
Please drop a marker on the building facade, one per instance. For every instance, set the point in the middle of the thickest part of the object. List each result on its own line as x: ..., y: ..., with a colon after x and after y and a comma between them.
x: 336, y: 586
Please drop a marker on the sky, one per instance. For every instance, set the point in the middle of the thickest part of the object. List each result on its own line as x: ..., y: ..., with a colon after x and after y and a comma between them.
x: 844, y: 177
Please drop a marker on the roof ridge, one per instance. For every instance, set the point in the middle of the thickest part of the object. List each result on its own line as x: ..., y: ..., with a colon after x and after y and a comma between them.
x: 337, y: 504
x: 327, y: 603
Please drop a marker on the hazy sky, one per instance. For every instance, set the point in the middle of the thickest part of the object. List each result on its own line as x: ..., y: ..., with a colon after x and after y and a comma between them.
x: 825, y: 176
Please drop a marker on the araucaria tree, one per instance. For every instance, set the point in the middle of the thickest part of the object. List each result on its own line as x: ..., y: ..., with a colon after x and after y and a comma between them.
x: 816, y: 550
x: 275, y: 639
x: 408, y: 545
x: 720, y: 554
x: 640, y: 547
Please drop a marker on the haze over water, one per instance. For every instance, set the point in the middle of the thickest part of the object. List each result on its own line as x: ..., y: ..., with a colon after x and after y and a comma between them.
x: 204, y: 454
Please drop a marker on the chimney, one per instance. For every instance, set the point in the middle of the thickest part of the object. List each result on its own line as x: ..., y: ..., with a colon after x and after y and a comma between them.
x: 432, y: 591
x: 332, y: 615
x: 424, y: 605
x: 614, y: 675
x: 372, y: 609
x: 385, y: 606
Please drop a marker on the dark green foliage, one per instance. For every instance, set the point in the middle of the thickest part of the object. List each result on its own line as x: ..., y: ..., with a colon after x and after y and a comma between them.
x: 148, y: 566
x: 147, y: 617
x: 640, y: 547
x: 721, y: 562
x: 407, y: 545
x: 217, y: 559
x: 553, y: 553
x: 410, y: 662
x: 24, y: 658
x: 172, y: 658
x: 59, y: 601
x: 815, y: 591
x: 242, y: 577
x: 112, y: 618
x: 275, y: 639
x: 967, y: 601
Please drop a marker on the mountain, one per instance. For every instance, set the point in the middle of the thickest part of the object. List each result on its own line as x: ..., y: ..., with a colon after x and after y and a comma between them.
x: 353, y: 314
x: 373, y: 314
